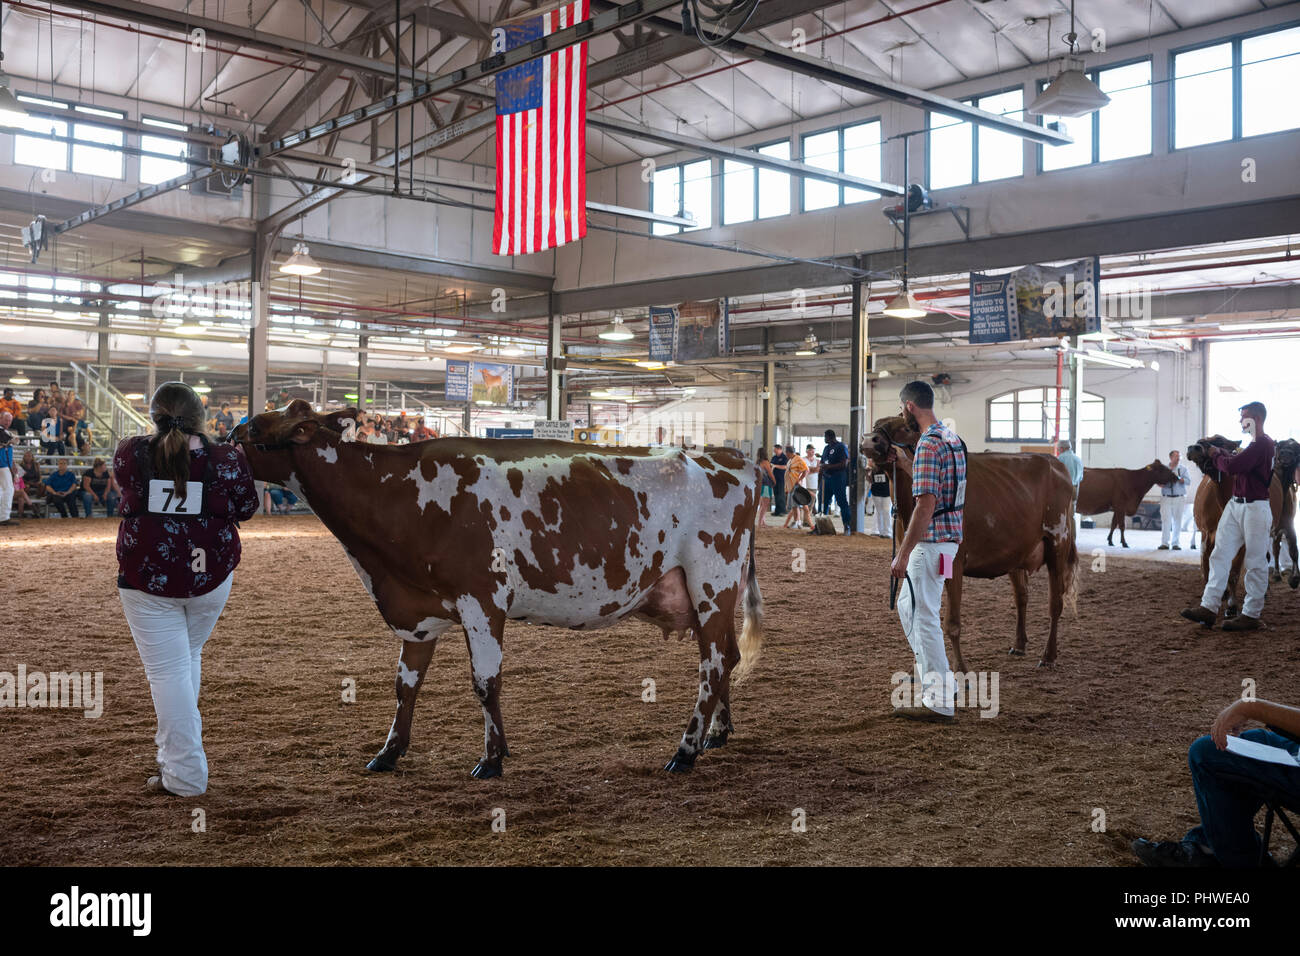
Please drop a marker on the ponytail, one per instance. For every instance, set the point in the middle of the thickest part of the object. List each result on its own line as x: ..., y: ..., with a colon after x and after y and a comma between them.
x: 177, y: 412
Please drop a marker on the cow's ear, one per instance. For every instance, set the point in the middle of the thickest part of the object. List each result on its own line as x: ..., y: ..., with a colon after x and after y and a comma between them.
x: 297, y: 409
x: 304, y: 431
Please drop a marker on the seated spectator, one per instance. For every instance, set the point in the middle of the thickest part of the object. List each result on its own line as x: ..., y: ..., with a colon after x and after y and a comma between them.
x: 31, y: 473
x: 61, y: 489
x: 421, y: 432
x: 1229, y: 787
x: 222, y: 433
x: 15, y: 408
x: 83, y: 435
x: 73, y: 411
x: 99, y: 488
x: 224, y: 417
x: 37, y: 411
x: 7, y: 468
x: 278, y: 500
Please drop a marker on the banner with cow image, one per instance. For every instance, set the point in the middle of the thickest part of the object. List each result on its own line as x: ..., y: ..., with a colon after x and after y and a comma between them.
x: 703, y: 330
x: 1034, y: 302
x: 488, y: 383
x: 663, y: 334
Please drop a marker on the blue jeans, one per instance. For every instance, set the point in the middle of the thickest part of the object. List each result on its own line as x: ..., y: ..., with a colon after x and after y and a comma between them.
x: 282, y: 497
x: 1228, y: 795
x: 110, y: 503
x: 836, y: 488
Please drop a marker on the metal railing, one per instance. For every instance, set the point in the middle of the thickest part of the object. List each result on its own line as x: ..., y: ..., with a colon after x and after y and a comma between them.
x: 112, y: 416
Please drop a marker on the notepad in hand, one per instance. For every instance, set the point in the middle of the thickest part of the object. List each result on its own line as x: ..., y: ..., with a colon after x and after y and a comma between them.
x: 1265, y: 752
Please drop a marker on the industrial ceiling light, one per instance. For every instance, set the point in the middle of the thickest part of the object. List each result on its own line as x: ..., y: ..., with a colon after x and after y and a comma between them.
x: 1070, y: 93
x: 651, y: 364
x: 462, y: 348
x: 300, y: 263
x: 20, y: 379
x: 511, y: 348
x: 884, y: 373
x: 134, y: 396
x: 904, y: 306
x: 182, y: 349
x: 809, y: 346
x: 203, y: 387
x: 616, y: 331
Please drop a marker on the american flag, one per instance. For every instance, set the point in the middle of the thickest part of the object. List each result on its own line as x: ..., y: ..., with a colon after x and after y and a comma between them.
x: 542, y: 139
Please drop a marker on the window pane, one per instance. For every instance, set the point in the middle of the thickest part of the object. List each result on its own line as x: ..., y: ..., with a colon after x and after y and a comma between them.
x: 1203, y: 96
x: 774, y: 187
x: 862, y: 158
x: 1079, y: 152
x: 737, y: 192
x: 1001, y: 155
x: 950, y: 152
x: 1002, y: 429
x: 1125, y: 122
x: 1001, y: 411
x: 665, y: 198
x: 697, y: 192
x: 1270, y: 77
x: 154, y: 170
x: 1030, y: 395
x: 823, y: 151
x: 45, y: 153
x: 92, y: 161
x: 1031, y: 421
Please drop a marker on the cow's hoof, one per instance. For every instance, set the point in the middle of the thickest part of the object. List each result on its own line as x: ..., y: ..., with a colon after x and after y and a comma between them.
x: 1274, y: 577
x: 716, y: 741
x: 1016, y: 652
x: 382, y: 764
x: 486, y: 769
x: 1046, y: 663
x: 1230, y: 611
x: 1123, y: 544
x: 682, y: 762
x: 1294, y: 581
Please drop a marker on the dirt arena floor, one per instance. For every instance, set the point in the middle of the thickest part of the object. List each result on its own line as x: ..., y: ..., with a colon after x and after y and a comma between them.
x: 1107, y: 729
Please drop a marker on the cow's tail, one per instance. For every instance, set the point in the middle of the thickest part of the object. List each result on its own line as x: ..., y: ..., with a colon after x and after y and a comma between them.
x: 751, y: 632
x: 1070, y: 591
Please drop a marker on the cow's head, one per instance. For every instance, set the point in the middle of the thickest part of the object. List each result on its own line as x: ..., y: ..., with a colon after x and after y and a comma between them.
x: 1161, y: 473
x: 1286, y: 458
x: 1200, y: 452
x: 878, y: 444
x: 269, y: 439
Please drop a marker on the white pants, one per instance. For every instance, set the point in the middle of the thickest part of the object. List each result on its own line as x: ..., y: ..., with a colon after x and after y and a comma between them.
x: 1172, y: 511
x: 1247, y: 523
x: 918, y: 609
x: 6, y: 492
x: 170, y: 634
x: 882, y: 515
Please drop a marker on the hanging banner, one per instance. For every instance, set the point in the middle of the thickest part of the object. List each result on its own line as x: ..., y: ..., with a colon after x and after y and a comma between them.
x: 457, y: 381
x: 483, y: 382
x: 702, y: 330
x: 663, y: 334
x: 1034, y: 302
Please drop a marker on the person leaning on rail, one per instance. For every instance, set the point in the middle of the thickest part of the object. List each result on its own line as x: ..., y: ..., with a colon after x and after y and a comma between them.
x: 1246, y: 521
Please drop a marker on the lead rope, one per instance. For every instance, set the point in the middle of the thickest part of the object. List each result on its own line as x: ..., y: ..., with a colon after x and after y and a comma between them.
x: 893, y: 553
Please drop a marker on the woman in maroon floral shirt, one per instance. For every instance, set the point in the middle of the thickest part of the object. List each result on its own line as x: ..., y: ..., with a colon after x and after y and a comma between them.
x: 177, y: 547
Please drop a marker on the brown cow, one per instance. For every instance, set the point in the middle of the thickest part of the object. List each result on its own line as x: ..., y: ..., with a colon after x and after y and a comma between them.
x: 476, y: 532
x: 1212, y: 496
x: 1119, y: 491
x: 1017, y: 519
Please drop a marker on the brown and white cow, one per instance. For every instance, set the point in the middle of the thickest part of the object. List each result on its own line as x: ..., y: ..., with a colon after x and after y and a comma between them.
x: 1282, y: 501
x: 476, y: 532
x: 1017, y: 518
x: 1119, y: 491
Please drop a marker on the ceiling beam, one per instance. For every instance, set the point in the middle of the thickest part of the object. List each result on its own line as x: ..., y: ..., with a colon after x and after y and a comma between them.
x: 748, y: 156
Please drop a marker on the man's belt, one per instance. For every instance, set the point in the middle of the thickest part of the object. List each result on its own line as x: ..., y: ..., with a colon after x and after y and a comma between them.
x: 1246, y: 501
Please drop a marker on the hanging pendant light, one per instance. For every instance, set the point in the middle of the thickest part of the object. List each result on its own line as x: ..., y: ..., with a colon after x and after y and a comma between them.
x: 616, y: 332
x: 20, y: 379
x: 182, y: 349
x: 904, y: 306
x: 809, y: 346
x: 300, y: 263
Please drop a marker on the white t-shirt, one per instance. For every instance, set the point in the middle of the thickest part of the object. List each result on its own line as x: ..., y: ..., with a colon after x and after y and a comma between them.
x: 810, y: 479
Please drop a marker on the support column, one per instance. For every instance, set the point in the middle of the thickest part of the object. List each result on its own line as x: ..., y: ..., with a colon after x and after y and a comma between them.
x: 259, y: 300
x: 324, y: 379
x: 1076, y: 394
x: 362, y: 360
x: 153, y: 369
x: 860, y: 348
x: 555, y: 365
x: 769, y: 388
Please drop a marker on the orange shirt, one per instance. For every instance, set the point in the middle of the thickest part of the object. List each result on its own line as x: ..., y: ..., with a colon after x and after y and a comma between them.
x: 12, y: 406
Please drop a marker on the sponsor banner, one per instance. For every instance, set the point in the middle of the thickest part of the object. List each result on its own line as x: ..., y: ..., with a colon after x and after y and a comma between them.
x: 702, y: 330
x: 509, y: 433
x: 663, y: 334
x: 1035, y: 302
x: 457, y: 381
x: 489, y: 382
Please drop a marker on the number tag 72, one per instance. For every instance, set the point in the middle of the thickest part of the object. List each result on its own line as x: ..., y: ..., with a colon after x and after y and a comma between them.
x: 163, y: 499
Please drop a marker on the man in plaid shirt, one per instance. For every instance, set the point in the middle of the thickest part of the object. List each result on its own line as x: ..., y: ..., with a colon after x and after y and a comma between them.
x: 930, y: 544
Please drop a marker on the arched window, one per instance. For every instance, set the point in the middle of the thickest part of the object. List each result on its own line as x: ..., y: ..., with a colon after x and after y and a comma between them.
x: 1029, y: 414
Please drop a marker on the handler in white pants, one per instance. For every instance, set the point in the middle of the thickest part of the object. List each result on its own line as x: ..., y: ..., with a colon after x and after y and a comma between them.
x: 924, y: 558
x: 1246, y: 520
x: 6, y: 468
x: 170, y: 634
x: 1173, y: 505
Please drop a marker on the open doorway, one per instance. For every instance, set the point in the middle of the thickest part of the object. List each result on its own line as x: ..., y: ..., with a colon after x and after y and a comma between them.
x: 1250, y: 370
